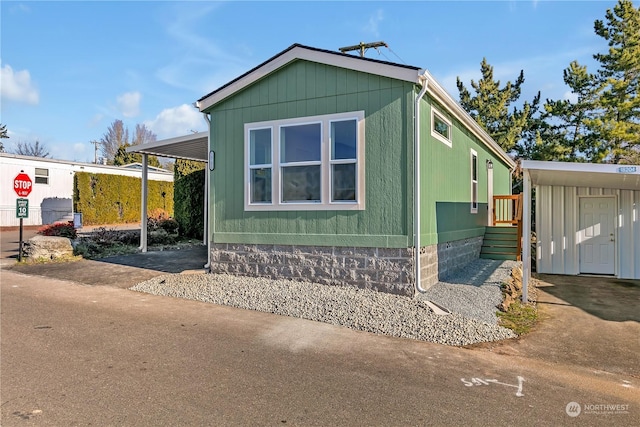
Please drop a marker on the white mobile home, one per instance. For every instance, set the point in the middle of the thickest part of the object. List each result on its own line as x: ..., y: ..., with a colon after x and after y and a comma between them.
x: 587, y: 218
x: 51, y: 198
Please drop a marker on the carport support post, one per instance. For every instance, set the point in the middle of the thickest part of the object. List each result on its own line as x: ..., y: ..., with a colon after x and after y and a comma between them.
x: 526, y: 234
x: 143, y: 204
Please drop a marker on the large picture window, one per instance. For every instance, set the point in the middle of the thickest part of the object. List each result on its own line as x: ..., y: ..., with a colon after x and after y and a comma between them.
x: 309, y: 163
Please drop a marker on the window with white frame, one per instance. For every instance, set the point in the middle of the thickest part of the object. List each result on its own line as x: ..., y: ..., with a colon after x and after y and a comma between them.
x: 474, y: 181
x: 42, y: 176
x: 440, y: 127
x: 309, y: 163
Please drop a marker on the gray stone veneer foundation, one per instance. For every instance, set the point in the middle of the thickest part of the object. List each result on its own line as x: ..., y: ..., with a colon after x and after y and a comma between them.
x: 438, y: 261
x: 381, y: 269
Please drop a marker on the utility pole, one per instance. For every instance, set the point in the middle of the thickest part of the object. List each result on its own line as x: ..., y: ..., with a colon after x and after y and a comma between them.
x: 362, y: 47
x: 95, y: 151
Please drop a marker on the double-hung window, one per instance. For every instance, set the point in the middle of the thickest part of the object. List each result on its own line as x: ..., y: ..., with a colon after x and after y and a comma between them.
x: 310, y: 163
x: 42, y: 176
x: 260, y: 167
x: 474, y: 181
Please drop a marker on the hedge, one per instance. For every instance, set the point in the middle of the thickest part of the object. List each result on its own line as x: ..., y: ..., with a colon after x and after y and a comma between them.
x: 116, y: 199
x: 189, y: 181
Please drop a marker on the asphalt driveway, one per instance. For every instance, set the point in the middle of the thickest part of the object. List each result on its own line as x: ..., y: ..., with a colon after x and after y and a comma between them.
x: 592, y: 322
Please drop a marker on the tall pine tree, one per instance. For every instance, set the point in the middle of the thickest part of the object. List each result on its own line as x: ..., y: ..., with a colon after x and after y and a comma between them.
x: 565, y: 132
x: 618, y: 82
x: 491, y: 106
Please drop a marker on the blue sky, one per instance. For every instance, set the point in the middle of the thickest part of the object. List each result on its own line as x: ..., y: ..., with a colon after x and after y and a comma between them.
x: 70, y: 68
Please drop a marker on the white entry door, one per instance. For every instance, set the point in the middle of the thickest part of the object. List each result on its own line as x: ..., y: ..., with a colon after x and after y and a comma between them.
x: 597, y: 235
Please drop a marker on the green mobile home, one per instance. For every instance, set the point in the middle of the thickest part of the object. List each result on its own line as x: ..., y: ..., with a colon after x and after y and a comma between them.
x: 332, y: 168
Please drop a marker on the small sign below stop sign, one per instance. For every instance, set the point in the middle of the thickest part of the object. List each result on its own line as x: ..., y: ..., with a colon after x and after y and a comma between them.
x: 22, y: 184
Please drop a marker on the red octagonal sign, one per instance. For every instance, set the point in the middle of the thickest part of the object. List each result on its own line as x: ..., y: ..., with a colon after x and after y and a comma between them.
x: 22, y: 184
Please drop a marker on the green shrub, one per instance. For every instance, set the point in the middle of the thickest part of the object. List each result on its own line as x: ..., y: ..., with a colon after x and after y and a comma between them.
x: 60, y: 229
x: 169, y: 225
x: 189, y: 183
x: 115, y: 199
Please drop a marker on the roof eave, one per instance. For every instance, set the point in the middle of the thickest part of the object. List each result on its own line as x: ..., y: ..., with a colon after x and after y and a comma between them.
x: 440, y: 94
x: 299, y: 52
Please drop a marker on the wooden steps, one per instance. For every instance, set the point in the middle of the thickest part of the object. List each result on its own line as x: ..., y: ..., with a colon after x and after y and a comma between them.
x: 500, y: 243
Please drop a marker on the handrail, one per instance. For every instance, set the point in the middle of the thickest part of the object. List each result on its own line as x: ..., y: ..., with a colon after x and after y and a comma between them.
x: 508, y: 210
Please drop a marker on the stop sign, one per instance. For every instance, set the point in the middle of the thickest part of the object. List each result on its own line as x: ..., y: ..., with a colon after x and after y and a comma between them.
x: 22, y: 184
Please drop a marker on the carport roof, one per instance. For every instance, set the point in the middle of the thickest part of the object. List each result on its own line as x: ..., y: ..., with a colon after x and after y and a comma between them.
x: 624, y: 177
x: 189, y: 147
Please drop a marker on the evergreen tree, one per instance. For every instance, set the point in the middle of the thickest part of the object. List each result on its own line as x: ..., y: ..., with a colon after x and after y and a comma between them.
x: 618, y: 79
x: 565, y: 130
x: 122, y: 157
x: 491, y: 107
x: 3, y: 135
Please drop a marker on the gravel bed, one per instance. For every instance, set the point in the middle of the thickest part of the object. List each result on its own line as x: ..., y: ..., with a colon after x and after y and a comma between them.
x: 359, y: 309
x: 473, y: 291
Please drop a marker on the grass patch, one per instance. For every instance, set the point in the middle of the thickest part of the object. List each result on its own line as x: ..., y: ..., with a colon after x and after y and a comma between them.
x: 520, y: 318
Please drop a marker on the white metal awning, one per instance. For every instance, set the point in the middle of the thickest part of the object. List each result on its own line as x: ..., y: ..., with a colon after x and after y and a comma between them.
x: 623, y: 177
x: 189, y: 147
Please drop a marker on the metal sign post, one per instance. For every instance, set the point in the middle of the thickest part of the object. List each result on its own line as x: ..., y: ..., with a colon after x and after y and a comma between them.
x: 22, y: 211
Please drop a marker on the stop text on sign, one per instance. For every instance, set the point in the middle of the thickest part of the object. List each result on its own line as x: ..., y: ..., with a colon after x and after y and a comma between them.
x: 22, y: 185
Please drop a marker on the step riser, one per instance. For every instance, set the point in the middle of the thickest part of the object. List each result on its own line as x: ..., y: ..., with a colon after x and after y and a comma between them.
x: 499, y: 257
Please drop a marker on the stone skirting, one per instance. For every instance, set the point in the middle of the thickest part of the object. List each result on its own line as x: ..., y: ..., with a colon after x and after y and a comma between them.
x: 438, y: 261
x: 381, y: 269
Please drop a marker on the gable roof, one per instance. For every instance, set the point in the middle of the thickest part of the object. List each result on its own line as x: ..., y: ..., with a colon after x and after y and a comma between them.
x: 298, y: 51
x: 371, y: 66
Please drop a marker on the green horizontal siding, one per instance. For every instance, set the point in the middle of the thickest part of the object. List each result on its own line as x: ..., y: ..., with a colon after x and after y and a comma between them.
x: 308, y: 89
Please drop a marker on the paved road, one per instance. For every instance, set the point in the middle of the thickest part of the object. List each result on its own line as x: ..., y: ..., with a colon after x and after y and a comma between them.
x: 75, y: 354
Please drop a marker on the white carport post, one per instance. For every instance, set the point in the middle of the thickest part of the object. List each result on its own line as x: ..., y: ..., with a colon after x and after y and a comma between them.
x: 143, y: 204
x: 526, y: 233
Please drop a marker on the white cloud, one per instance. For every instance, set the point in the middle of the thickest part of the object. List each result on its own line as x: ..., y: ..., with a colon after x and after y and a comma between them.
x: 374, y: 20
x: 129, y: 104
x: 204, y: 64
x: 17, y: 86
x: 177, y: 121
x: 79, y: 148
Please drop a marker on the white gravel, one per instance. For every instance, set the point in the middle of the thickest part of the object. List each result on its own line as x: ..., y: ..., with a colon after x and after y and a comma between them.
x: 359, y: 309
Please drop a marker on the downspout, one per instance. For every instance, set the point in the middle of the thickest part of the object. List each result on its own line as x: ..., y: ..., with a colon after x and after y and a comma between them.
x: 207, y: 237
x: 424, y: 82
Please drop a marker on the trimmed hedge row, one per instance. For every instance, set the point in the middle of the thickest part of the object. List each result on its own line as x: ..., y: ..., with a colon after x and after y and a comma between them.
x: 115, y: 199
x: 189, y: 179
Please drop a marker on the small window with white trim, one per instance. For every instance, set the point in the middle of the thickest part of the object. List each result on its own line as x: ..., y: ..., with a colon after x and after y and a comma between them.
x: 440, y: 127
x: 42, y: 176
x: 310, y: 163
x: 474, y: 181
